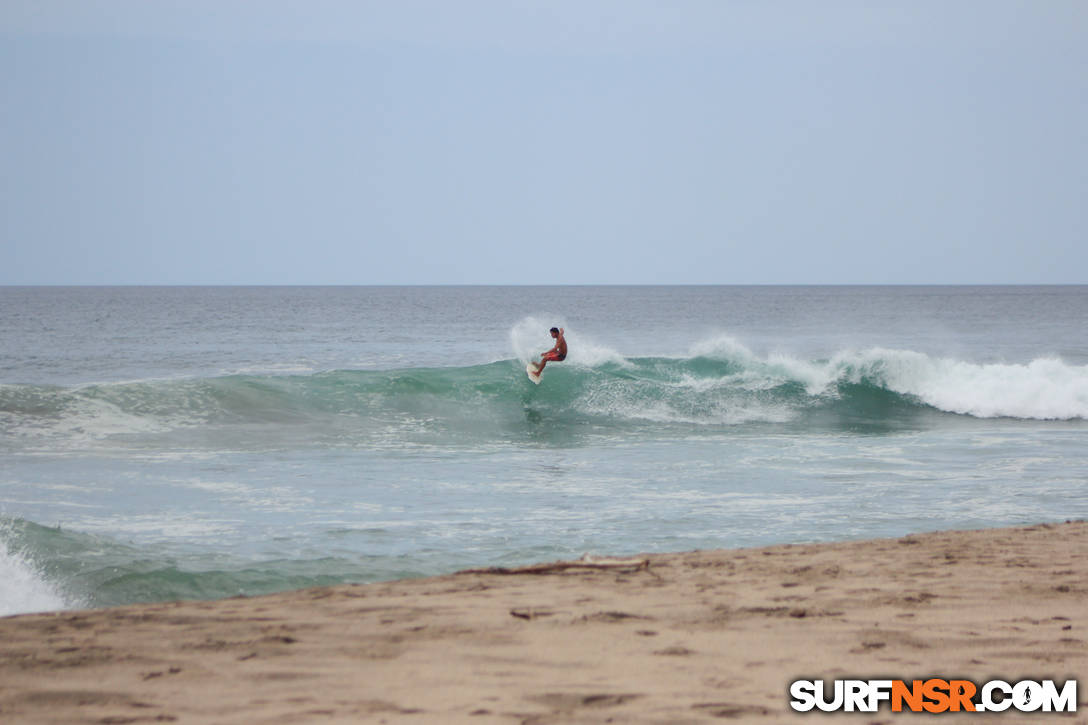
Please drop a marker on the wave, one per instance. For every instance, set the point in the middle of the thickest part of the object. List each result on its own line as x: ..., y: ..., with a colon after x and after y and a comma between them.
x: 720, y: 383
x: 47, y: 568
x: 1044, y: 389
x: 26, y: 588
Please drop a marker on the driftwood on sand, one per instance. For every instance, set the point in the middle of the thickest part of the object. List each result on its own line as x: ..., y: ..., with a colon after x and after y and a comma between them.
x: 586, y: 562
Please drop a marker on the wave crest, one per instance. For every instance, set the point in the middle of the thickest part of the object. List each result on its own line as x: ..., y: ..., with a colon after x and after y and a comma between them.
x: 1044, y: 389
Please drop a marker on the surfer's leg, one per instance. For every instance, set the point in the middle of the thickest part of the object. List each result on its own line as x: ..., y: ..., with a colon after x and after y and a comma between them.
x: 544, y: 359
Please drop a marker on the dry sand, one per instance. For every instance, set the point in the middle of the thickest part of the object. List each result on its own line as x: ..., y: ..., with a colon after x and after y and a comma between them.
x: 695, y: 637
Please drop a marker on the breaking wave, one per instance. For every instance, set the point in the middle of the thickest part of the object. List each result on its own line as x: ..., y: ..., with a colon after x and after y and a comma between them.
x: 720, y: 383
x: 46, y: 568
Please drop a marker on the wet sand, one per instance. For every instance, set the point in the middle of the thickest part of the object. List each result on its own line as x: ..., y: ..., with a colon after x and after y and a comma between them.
x: 697, y: 637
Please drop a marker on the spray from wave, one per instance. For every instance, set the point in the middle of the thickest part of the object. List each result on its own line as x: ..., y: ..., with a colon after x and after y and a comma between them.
x: 529, y: 338
x: 24, y: 587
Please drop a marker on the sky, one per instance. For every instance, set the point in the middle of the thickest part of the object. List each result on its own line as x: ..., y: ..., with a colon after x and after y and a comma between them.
x: 543, y: 142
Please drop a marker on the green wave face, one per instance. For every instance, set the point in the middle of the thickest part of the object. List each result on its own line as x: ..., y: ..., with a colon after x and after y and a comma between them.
x: 89, y: 570
x: 495, y: 403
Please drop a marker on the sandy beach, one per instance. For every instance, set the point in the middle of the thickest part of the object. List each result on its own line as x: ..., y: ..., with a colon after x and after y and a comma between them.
x: 666, y: 638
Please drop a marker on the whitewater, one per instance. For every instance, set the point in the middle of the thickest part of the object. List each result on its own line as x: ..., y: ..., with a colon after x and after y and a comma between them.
x: 163, y: 443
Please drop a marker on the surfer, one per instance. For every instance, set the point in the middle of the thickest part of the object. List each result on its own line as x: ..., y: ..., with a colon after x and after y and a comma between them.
x: 558, y: 352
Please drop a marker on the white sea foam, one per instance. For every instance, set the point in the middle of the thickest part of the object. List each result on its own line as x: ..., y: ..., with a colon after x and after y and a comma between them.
x: 95, y: 419
x: 1044, y: 389
x: 22, y: 587
x: 687, y: 400
x: 80, y: 419
x: 254, y: 498
x: 153, y: 526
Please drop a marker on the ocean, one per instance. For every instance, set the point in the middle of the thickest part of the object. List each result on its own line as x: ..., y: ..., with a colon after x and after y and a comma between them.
x: 162, y: 443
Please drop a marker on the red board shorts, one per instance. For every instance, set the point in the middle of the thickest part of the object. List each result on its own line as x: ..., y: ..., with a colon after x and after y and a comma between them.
x: 552, y: 357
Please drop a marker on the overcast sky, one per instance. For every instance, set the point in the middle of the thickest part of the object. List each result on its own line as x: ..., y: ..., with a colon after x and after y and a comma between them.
x: 551, y: 142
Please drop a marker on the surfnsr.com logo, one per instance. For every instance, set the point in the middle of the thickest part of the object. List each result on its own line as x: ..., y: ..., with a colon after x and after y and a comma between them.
x: 933, y: 695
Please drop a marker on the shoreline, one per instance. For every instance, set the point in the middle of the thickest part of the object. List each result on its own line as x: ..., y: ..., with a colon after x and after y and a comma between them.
x: 688, y: 637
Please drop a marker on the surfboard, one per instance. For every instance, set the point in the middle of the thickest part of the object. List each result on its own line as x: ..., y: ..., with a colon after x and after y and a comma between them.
x: 530, y: 370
